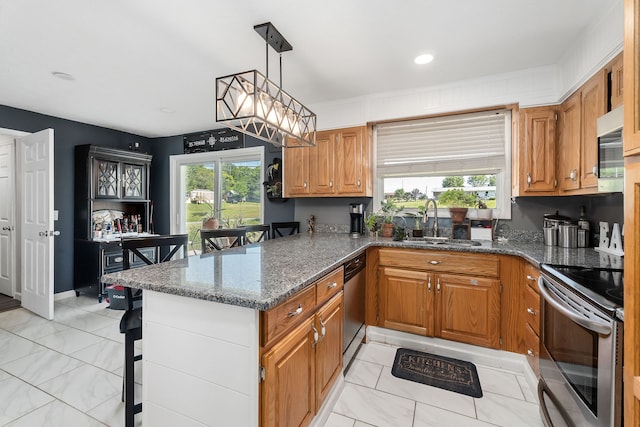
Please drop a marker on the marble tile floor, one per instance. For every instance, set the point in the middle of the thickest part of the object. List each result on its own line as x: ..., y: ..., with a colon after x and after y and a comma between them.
x: 65, y: 372
x: 68, y: 372
x: 374, y: 397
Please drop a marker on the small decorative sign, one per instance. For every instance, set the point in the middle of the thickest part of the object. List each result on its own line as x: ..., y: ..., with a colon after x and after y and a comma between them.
x: 611, y: 244
x: 213, y: 140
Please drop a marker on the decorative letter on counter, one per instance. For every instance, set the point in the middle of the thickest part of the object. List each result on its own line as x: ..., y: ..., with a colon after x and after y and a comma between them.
x: 611, y: 244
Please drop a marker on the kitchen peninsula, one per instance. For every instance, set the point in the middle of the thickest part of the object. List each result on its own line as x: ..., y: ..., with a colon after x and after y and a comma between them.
x: 202, y: 316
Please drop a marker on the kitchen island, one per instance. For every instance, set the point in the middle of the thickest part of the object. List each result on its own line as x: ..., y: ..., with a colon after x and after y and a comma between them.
x: 201, y: 344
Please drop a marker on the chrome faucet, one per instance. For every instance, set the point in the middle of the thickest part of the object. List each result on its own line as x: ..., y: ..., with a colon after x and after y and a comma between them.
x: 425, y: 217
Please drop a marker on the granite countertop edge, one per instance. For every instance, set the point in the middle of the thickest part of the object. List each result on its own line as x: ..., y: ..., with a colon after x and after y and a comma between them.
x: 319, y: 260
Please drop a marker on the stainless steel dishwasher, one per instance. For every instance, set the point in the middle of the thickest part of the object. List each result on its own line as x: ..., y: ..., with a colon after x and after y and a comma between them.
x: 354, y: 303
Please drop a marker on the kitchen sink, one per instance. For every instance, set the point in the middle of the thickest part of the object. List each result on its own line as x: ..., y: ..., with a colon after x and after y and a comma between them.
x: 443, y: 241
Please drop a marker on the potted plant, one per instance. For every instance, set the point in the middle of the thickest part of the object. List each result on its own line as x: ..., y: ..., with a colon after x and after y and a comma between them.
x: 211, y: 220
x: 459, y: 202
x: 371, y: 222
x: 483, y: 212
x: 388, y: 210
x: 417, y: 228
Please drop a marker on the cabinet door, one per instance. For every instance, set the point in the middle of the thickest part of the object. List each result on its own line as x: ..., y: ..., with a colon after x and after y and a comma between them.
x: 321, y: 164
x: 617, y: 82
x: 352, y: 162
x: 569, y: 144
x: 106, y: 182
x: 538, y: 146
x: 288, y: 389
x: 468, y: 309
x: 406, y: 300
x: 593, y: 106
x: 296, y: 171
x: 134, y: 182
x: 329, y: 347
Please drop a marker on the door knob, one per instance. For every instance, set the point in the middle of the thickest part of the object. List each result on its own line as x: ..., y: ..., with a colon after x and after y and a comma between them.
x: 54, y: 233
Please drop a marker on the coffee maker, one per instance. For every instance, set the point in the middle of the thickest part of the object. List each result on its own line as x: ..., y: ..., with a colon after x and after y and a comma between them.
x: 357, y: 219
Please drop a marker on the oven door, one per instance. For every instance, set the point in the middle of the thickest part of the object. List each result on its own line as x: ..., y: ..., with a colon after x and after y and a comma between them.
x: 579, y: 362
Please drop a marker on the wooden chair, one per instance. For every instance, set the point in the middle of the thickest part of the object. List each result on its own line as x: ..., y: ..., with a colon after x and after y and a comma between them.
x: 288, y: 228
x: 166, y: 247
x: 209, y: 238
x: 258, y: 233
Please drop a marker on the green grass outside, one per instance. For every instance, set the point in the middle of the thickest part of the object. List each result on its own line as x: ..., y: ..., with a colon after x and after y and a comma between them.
x: 233, y: 215
x: 419, y: 204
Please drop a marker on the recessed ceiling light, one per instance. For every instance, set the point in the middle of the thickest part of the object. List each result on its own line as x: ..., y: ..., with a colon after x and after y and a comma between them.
x: 62, y: 76
x: 167, y: 110
x: 423, y: 59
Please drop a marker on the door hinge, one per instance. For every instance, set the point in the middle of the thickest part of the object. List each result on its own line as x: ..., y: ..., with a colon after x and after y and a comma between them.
x: 262, y: 374
x: 500, y: 287
x: 500, y: 341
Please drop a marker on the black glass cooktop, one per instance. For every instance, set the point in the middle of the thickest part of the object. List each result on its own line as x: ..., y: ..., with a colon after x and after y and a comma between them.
x: 607, y: 283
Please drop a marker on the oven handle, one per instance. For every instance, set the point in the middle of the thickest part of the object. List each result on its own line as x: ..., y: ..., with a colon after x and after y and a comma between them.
x: 602, y: 328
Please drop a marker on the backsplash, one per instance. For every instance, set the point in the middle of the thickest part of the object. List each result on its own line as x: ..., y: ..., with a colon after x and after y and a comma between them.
x: 332, y: 214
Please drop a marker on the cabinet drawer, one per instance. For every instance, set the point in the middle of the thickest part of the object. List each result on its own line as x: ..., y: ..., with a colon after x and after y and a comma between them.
x: 531, y: 276
x: 532, y: 348
x: 329, y: 285
x: 286, y: 315
x: 113, y: 261
x: 437, y: 261
x: 532, y: 308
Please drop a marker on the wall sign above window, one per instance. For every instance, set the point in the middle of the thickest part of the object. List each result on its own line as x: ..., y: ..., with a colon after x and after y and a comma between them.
x: 213, y: 140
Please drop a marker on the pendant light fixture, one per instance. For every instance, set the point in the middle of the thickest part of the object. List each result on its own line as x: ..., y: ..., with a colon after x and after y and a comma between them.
x: 254, y: 105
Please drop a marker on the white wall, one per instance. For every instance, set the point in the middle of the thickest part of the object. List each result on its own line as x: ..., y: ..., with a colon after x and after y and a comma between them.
x: 593, y: 48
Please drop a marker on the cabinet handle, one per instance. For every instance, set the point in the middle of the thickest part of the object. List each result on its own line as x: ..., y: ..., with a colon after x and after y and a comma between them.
x: 530, y: 352
x: 530, y: 277
x: 434, y: 262
x: 332, y: 285
x: 118, y: 259
x: 305, y: 184
x: 573, y: 175
x: 359, y: 183
x: 323, y: 330
x: 331, y: 183
x: 531, y: 311
x: 429, y: 285
x: 315, y: 335
x: 438, y: 286
x: 595, y: 170
x: 529, y: 179
x: 296, y: 312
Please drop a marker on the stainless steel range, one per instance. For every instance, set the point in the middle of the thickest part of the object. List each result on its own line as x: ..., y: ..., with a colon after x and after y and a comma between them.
x: 581, y: 346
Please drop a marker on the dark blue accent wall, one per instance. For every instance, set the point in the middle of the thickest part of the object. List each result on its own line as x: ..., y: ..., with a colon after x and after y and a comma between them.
x: 68, y: 134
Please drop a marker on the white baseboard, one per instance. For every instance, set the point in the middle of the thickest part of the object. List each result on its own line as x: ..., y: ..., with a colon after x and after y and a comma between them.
x: 485, y: 356
x: 63, y: 295
x: 18, y: 296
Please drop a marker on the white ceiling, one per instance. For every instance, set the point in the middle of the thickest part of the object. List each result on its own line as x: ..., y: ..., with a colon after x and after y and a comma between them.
x: 132, y: 58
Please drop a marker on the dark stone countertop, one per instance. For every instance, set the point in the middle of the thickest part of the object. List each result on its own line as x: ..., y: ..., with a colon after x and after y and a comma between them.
x: 259, y: 276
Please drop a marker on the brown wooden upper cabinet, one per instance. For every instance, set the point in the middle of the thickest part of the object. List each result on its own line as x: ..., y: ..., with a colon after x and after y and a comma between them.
x: 340, y: 165
x: 536, y: 158
x: 617, y: 81
x: 578, y: 141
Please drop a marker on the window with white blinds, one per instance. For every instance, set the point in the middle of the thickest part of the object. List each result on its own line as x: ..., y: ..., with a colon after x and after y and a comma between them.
x: 463, y: 144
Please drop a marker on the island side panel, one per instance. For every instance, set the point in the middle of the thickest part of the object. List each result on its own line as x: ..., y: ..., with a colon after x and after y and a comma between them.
x: 200, y: 362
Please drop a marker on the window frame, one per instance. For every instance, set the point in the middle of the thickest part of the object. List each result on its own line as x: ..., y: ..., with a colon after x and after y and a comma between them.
x: 176, y: 193
x: 503, y: 176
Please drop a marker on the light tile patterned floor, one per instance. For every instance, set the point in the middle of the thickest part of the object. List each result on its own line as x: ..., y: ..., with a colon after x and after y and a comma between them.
x: 374, y: 397
x: 68, y: 372
x: 65, y: 372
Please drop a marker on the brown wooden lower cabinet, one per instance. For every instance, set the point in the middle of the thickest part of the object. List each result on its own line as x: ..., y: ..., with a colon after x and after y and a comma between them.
x: 301, y: 368
x: 458, y: 307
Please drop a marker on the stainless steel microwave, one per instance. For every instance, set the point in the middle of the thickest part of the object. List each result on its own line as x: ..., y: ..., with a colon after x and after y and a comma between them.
x: 610, y: 158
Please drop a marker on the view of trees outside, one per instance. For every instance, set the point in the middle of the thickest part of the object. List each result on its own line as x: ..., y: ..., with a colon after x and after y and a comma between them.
x: 240, y: 194
x: 449, y: 191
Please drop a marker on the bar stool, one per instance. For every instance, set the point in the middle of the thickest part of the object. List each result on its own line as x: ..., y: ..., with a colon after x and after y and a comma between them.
x: 257, y: 233
x: 131, y: 321
x: 209, y: 238
x: 278, y: 228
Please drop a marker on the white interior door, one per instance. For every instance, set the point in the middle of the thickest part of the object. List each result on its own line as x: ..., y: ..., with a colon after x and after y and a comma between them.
x: 34, y: 154
x: 7, y: 218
